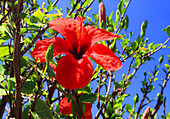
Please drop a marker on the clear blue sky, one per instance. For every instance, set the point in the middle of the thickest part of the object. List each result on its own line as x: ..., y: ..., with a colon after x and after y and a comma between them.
x: 156, y: 12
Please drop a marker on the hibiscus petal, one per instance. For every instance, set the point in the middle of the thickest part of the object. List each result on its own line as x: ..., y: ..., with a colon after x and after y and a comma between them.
x: 97, y: 34
x: 60, y: 46
x: 105, y: 57
x: 69, y: 28
x: 88, y: 113
x: 65, y: 106
x: 72, y: 73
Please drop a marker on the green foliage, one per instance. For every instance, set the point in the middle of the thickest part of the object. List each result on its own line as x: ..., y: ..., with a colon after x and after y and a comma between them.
x: 136, y: 99
x: 6, y: 50
x: 78, y: 108
x: 167, y: 30
x: 88, y: 98
x: 42, y: 110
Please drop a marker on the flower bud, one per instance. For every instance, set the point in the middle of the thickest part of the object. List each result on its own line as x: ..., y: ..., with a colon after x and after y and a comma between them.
x: 102, y: 12
x: 146, y: 113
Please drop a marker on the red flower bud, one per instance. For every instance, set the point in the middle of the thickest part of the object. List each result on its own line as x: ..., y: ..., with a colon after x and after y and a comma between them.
x: 65, y: 108
x: 102, y: 12
x: 146, y: 113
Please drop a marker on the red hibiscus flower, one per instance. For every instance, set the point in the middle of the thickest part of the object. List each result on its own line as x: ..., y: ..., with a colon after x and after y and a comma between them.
x: 65, y: 108
x: 74, y: 70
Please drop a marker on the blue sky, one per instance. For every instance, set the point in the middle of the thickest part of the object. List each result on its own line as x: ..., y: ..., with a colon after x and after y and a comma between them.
x: 158, y: 17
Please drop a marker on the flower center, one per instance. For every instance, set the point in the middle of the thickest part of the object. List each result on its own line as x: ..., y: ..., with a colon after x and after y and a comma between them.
x: 78, y: 55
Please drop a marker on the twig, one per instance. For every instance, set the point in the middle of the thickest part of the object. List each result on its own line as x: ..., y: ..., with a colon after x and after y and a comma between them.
x: 79, y: 9
x: 147, y: 55
x: 55, y: 3
x: 98, y: 101
x: 144, y: 96
x: 34, y: 40
x: 160, y: 101
x: 74, y: 6
x: 3, y: 18
x: 29, y: 74
x: 88, y: 7
x: 75, y: 105
x: 108, y: 90
x: 36, y: 96
x: 29, y: 45
x: 122, y: 17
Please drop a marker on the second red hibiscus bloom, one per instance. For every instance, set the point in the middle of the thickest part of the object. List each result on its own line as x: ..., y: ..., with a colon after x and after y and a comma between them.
x: 74, y: 70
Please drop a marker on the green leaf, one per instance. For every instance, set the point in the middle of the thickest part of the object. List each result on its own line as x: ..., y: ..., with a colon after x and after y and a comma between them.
x: 11, y: 84
x: 151, y: 87
x: 117, y: 105
x: 2, y: 92
x: 1, y: 69
x: 1, y: 78
x: 35, y: 20
x: 29, y: 85
x: 35, y: 115
x: 167, y: 30
x: 39, y: 14
x: 42, y: 110
x: 143, y: 90
x: 110, y: 17
x: 49, y: 54
x: 134, y: 45
x: 23, y: 30
x: 86, y: 89
x: 161, y: 59
x: 49, y: 2
x: 136, y: 99
x: 88, y: 98
x: 79, y: 111
x: 167, y: 66
x: 120, y: 7
x: 128, y: 108
x: 22, y: 15
x: 26, y: 111
x: 5, y: 50
x: 86, y: 3
x: 125, y: 2
x: 5, y: 30
x: 50, y: 7
x: 126, y: 22
x: 168, y: 116
x: 121, y: 99
x: 137, y: 63
x: 51, y: 72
